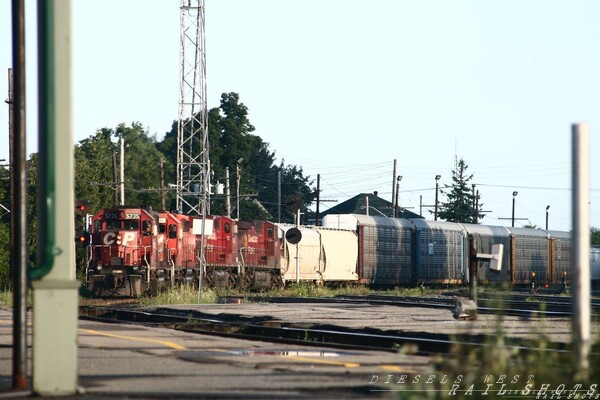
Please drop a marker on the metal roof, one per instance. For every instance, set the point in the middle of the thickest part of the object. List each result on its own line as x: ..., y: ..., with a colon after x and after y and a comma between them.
x: 358, y: 205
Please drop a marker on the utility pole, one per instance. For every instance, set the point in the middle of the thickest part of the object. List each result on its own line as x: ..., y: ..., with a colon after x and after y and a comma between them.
x: 396, y: 205
x: 513, y: 207
x: 237, y: 186
x: 115, y: 185
x: 279, y: 195
x: 18, y: 185
x: 162, y: 184
x: 394, y: 196
x: 227, y: 193
x: 318, y: 199
x: 122, y: 171
x: 477, y: 207
x: 513, y: 219
x: 437, y: 188
x: 474, y: 204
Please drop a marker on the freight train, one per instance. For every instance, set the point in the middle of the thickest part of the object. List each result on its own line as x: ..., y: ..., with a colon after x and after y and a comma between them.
x: 135, y: 251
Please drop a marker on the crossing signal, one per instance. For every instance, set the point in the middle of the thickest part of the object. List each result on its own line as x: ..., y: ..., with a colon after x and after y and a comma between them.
x: 82, y: 207
x: 83, y: 239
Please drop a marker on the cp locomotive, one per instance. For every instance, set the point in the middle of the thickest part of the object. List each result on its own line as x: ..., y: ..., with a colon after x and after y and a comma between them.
x: 135, y: 250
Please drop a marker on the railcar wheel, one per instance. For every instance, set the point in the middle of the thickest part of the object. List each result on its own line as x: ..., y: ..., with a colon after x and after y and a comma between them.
x: 278, y: 283
x: 245, y: 281
x: 232, y: 280
x: 208, y: 278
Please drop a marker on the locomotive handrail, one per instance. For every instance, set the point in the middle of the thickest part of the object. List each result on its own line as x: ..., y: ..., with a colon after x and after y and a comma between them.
x: 147, y: 263
x: 241, y: 264
x: 172, y: 265
x: 202, y: 263
x: 88, y: 262
x: 169, y: 258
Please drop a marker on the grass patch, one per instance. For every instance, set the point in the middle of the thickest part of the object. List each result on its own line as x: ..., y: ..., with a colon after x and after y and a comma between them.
x: 6, y: 299
x: 180, y: 295
x: 303, y: 289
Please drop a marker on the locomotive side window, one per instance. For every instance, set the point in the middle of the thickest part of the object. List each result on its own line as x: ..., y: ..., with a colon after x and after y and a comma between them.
x: 227, y: 228
x: 162, y: 228
x: 270, y: 232
x: 131, y: 225
x: 172, y: 231
x: 113, y: 224
x: 147, y: 227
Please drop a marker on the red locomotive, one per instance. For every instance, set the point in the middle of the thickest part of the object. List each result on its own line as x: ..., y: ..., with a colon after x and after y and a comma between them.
x: 135, y: 251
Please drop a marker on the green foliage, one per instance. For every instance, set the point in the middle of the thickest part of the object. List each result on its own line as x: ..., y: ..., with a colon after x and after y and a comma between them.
x: 95, y: 174
x: 4, y: 255
x: 6, y: 298
x: 461, y: 201
x: 5, y: 219
x: 595, y: 236
x: 231, y: 138
x: 4, y: 229
x: 97, y: 171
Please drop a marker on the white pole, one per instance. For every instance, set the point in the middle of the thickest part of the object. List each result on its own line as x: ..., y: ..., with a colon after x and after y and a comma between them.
x: 279, y: 196
x: 237, y: 196
x: 122, y: 168
x: 227, y: 193
x: 581, y: 249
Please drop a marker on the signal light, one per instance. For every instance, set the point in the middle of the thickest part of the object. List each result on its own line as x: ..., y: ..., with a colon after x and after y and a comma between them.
x: 83, y: 240
x: 82, y: 207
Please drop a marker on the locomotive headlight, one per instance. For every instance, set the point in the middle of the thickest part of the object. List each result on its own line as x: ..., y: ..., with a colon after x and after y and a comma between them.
x: 99, y: 266
x: 119, y: 239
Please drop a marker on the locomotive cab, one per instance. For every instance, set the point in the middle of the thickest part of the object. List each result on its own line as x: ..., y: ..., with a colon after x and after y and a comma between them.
x: 123, y: 251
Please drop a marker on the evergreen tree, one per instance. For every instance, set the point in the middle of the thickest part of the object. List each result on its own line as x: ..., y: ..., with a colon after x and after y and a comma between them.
x: 462, y: 204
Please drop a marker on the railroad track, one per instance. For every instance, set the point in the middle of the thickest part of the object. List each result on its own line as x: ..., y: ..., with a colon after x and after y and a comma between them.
x: 519, y: 305
x: 423, y: 343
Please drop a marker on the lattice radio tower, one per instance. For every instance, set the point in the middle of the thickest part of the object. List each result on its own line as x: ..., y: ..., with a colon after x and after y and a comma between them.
x: 193, y: 163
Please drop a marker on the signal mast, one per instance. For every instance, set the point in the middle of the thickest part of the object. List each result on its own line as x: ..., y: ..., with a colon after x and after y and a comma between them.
x: 193, y: 165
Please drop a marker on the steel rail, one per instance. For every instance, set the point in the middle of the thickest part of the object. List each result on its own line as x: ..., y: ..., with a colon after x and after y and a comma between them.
x: 423, y: 343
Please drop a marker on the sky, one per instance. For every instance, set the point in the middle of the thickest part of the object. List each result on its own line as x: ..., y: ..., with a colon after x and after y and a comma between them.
x: 342, y: 88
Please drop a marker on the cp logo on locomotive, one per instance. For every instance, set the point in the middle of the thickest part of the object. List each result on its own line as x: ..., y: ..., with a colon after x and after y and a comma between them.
x: 111, y: 237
